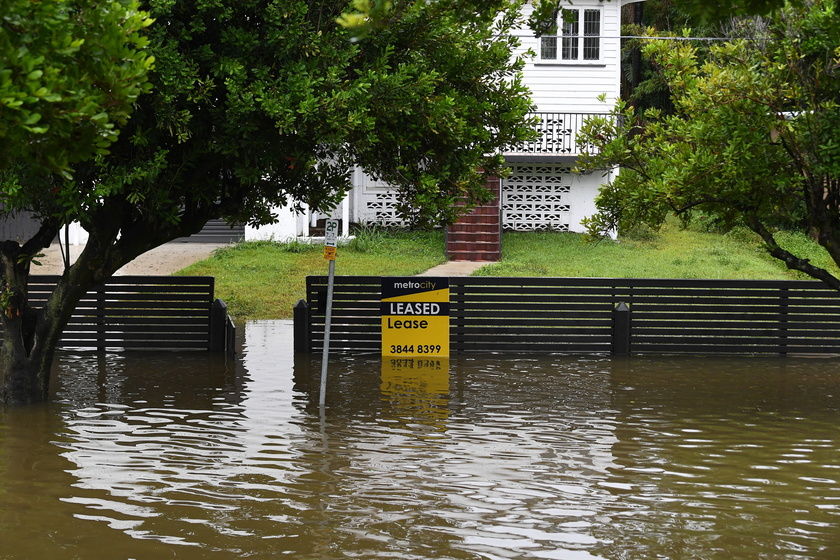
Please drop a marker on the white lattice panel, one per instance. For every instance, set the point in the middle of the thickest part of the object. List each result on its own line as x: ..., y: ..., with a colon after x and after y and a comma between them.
x: 375, y: 202
x: 536, y: 197
x: 381, y: 208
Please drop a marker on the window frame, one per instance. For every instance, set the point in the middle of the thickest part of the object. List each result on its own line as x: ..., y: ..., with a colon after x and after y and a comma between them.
x: 574, y: 38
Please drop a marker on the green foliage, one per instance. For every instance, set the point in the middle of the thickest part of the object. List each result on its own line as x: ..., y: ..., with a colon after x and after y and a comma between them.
x: 716, y: 10
x: 254, y: 104
x: 367, y: 238
x: 70, y: 72
x: 642, y: 86
x: 754, y: 139
x: 543, y: 18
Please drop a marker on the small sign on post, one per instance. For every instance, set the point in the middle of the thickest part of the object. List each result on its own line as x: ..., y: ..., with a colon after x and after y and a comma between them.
x: 415, y: 316
x: 330, y: 239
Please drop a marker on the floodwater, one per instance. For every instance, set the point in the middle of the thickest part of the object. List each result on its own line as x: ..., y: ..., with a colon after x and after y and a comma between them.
x: 150, y: 456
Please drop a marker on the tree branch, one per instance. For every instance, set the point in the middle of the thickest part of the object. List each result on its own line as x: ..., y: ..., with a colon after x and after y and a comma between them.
x: 791, y: 261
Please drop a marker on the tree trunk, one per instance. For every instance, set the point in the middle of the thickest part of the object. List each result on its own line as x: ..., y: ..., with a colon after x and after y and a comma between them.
x: 28, y: 341
x: 26, y: 378
x: 31, y: 336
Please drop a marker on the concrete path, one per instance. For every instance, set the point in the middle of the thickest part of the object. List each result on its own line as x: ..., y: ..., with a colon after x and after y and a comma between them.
x: 160, y: 261
x: 172, y: 257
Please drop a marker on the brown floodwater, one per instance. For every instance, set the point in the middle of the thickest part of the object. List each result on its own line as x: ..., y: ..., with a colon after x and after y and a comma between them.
x: 162, y: 455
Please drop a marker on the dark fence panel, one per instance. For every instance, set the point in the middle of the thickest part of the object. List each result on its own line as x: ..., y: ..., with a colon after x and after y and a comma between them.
x: 578, y: 315
x: 143, y: 312
x: 356, y: 323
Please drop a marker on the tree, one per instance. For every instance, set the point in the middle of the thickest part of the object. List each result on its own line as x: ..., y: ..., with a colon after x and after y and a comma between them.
x: 642, y: 86
x: 717, y: 10
x: 754, y: 140
x: 262, y: 103
x: 69, y: 72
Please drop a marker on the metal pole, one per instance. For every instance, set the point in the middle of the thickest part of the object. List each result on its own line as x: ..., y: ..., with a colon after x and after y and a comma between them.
x: 327, y: 322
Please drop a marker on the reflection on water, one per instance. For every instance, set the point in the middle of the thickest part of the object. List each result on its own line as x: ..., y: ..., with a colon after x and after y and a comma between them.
x: 164, y: 455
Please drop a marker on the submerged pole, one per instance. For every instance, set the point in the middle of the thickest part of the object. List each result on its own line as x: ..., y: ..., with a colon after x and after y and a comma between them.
x: 330, y: 244
x: 327, y: 322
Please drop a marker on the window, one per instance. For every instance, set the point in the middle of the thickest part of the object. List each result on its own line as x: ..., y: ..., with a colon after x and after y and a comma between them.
x: 578, y: 38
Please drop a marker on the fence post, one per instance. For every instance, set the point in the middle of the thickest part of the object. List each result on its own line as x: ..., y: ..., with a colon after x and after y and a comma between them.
x: 621, y: 330
x: 230, y: 336
x: 783, y: 321
x: 218, y: 326
x: 302, y: 327
x: 101, y: 333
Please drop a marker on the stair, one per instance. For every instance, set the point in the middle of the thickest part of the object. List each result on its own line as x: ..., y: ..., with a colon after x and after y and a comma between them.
x: 477, y: 236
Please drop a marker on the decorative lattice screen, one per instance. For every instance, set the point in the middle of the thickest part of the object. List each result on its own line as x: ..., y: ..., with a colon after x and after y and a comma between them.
x: 536, y: 197
x: 380, y: 207
x: 375, y: 201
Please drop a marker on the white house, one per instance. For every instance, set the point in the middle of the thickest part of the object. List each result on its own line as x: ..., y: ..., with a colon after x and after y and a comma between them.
x: 566, y: 78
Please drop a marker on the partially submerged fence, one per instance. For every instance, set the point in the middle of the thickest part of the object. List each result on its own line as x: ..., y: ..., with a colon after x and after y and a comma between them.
x: 585, y: 315
x: 145, y: 312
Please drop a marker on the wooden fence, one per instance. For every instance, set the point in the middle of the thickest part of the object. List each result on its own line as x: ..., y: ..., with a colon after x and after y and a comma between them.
x: 585, y: 315
x: 145, y: 312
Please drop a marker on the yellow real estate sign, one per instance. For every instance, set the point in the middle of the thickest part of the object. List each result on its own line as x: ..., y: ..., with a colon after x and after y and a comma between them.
x: 415, y: 316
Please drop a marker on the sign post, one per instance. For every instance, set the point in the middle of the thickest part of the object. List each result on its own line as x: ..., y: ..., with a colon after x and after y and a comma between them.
x: 415, y: 316
x: 330, y: 249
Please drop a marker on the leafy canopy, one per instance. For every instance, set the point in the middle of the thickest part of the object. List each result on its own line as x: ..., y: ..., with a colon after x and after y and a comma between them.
x: 70, y: 71
x: 260, y: 103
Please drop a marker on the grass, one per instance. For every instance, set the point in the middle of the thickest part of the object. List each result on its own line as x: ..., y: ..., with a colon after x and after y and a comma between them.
x: 263, y: 280
x: 670, y: 253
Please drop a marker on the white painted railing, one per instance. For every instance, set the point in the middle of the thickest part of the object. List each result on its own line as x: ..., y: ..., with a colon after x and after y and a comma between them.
x: 558, y: 135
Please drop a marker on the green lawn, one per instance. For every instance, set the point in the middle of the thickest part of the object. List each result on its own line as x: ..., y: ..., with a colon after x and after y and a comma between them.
x: 671, y: 253
x: 263, y: 280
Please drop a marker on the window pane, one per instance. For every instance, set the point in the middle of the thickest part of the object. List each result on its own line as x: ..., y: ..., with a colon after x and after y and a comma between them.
x: 571, y: 31
x: 548, y: 48
x: 591, y: 23
x: 570, y: 48
x: 592, y: 34
x: 571, y: 23
x: 591, y: 48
